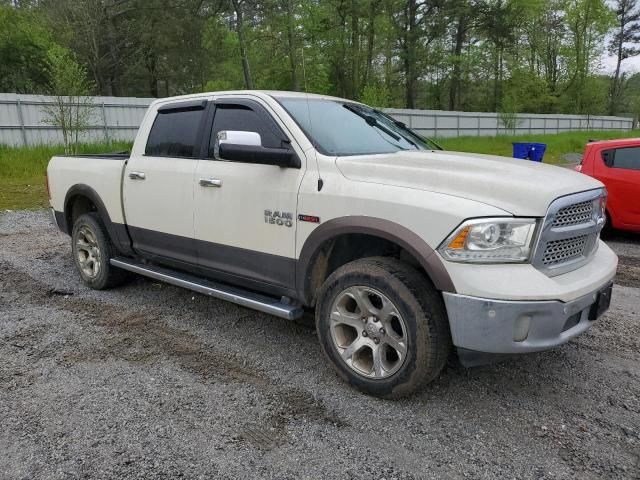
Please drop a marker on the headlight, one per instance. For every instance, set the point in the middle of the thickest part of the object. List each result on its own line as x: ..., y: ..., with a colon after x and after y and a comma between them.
x: 490, y: 240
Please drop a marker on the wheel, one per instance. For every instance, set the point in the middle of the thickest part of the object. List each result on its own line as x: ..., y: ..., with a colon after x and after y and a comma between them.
x: 92, y: 251
x: 383, y: 327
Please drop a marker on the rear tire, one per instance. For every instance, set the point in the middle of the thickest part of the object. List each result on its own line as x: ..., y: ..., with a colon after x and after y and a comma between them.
x: 383, y: 327
x: 92, y: 253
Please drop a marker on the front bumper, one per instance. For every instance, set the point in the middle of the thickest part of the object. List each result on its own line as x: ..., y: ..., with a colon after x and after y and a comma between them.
x: 489, y: 326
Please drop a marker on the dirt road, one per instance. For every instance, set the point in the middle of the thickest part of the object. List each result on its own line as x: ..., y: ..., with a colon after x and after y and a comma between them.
x: 151, y: 381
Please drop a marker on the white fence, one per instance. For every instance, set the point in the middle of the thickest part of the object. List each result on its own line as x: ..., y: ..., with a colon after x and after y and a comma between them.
x: 438, y: 123
x: 23, y: 121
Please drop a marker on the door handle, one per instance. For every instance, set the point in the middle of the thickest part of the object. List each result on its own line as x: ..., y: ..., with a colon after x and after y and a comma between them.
x: 137, y: 175
x: 210, y: 182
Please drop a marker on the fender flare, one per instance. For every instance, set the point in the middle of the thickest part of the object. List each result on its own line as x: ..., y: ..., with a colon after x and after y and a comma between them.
x: 117, y: 232
x: 378, y: 227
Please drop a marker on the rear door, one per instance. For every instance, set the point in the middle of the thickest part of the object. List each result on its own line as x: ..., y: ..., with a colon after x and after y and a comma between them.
x: 245, y: 225
x: 158, y: 184
x: 619, y: 170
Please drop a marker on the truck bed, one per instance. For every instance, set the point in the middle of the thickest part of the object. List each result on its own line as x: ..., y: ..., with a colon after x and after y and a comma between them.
x: 74, y: 173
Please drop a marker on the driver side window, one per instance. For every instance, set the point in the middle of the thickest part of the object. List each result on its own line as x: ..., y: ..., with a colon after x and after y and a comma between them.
x: 241, y: 118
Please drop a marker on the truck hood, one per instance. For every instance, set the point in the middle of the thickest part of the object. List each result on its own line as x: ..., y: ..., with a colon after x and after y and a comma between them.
x: 520, y: 187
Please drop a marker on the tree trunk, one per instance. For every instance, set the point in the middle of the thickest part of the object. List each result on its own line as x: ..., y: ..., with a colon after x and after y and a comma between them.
x: 355, y: 52
x: 292, y: 45
x: 339, y: 66
x: 151, y: 64
x: 615, y: 85
x: 116, y: 59
x: 615, y: 88
x: 237, y: 6
x: 454, y: 88
x: 370, y: 41
x: 496, y: 80
x: 411, y: 77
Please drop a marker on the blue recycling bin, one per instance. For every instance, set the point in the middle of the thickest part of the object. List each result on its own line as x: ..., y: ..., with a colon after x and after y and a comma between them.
x: 529, y: 150
x: 536, y: 151
x: 520, y: 150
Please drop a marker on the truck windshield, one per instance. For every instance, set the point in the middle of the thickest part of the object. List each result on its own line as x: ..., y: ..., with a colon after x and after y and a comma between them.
x: 345, y: 128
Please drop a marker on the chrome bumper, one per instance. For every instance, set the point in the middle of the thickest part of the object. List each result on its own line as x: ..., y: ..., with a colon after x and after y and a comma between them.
x: 508, y: 327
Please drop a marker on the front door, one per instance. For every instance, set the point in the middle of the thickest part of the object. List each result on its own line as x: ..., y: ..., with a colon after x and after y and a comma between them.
x: 158, y: 186
x: 245, y: 213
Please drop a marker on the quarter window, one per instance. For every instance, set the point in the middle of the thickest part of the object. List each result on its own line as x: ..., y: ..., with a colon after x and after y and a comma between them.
x: 244, y: 119
x: 174, y: 134
x: 627, y: 158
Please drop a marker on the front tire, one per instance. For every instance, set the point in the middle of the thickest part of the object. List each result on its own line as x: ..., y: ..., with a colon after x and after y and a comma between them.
x: 92, y: 253
x: 383, y: 327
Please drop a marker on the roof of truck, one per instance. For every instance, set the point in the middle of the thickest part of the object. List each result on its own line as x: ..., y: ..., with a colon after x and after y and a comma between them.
x: 272, y: 93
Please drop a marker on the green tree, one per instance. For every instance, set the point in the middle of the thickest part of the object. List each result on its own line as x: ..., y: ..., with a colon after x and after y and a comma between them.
x: 623, y: 45
x: 24, y: 42
x: 72, y: 109
x: 587, y: 21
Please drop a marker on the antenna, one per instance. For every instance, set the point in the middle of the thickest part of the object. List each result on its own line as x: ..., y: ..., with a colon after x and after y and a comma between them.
x: 306, y: 93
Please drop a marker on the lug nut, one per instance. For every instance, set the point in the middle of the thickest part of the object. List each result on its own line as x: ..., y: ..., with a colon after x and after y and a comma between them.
x: 364, y: 334
x: 376, y: 340
x: 382, y: 331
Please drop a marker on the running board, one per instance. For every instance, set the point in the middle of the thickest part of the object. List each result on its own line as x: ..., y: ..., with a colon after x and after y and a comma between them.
x: 245, y: 298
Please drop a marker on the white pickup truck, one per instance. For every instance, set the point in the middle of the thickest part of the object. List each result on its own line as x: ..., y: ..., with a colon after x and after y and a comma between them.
x: 284, y: 201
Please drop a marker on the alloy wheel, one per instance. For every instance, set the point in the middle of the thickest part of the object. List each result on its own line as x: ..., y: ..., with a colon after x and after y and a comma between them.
x: 368, y: 332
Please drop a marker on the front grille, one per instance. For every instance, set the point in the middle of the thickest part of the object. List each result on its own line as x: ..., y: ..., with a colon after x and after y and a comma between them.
x: 575, y: 214
x: 569, y: 233
x: 560, y: 251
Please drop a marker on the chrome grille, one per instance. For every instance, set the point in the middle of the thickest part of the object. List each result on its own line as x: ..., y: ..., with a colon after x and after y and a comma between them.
x: 569, y: 233
x: 576, y: 214
x: 559, y: 251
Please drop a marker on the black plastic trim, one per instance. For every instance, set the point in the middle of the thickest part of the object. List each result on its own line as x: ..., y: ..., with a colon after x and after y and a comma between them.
x: 273, y: 274
x: 377, y: 227
x: 61, y: 222
x: 472, y: 358
x: 101, y: 156
x: 182, y: 106
x: 281, y: 157
x: 117, y: 231
x: 151, y: 244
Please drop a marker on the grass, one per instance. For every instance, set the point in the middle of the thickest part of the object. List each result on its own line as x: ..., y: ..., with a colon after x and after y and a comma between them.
x: 22, y: 172
x: 557, y: 144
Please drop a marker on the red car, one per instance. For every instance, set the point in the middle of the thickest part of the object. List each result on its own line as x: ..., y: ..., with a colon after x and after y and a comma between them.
x: 616, y: 163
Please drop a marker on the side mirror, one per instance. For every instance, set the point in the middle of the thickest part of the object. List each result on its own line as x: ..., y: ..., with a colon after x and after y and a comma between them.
x: 282, y: 157
x: 247, y: 147
x: 239, y: 138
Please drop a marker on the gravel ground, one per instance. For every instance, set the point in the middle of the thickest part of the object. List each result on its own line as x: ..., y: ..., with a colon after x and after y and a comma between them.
x: 152, y: 381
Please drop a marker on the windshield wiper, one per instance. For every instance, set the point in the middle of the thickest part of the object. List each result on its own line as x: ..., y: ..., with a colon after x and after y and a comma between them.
x: 372, y: 121
x: 404, y: 127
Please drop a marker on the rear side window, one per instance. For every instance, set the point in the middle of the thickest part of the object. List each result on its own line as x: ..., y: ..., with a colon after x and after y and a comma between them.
x: 244, y: 119
x: 627, y: 158
x: 174, y: 134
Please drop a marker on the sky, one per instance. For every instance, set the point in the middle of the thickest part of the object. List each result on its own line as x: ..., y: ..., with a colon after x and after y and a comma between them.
x: 630, y: 65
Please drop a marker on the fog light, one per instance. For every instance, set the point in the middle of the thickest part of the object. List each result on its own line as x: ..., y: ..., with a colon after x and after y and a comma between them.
x: 521, y: 328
